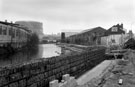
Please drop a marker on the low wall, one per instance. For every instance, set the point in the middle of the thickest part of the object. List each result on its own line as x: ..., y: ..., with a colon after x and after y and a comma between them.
x: 39, y: 73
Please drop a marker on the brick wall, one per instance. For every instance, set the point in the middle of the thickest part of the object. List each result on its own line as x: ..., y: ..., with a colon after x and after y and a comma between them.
x: 39, y: 73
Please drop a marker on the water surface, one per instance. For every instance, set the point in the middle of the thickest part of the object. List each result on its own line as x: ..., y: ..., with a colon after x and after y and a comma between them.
x: 42, y: 51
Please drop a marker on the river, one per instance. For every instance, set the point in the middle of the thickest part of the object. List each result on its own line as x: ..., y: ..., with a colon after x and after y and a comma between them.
x: 42, y: 51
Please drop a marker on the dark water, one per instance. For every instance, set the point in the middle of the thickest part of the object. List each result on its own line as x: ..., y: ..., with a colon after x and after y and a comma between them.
x: 42, y: 51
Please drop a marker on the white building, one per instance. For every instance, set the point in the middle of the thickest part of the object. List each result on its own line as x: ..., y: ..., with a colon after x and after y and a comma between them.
x: 114, y: 36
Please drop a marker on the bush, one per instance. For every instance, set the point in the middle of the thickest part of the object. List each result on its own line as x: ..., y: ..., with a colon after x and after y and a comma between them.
x: 130, y: 44
x: 33, y: 41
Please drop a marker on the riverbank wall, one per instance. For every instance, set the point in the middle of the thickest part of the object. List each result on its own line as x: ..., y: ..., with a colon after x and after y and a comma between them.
x: 38, y: 73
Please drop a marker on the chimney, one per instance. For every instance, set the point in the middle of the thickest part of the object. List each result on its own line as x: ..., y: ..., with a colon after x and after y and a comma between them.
x: 122, y: 25
x: 118, y: 25
x: 6, y: 21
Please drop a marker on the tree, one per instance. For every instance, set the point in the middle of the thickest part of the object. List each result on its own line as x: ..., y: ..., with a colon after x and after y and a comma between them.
x: 130, y: 44
x: 34, y: 40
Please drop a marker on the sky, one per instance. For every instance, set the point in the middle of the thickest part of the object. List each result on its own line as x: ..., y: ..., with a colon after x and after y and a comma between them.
x: 76, y: 15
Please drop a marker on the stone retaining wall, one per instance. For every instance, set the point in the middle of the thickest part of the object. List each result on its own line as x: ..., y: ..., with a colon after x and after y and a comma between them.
x: 39, y: 73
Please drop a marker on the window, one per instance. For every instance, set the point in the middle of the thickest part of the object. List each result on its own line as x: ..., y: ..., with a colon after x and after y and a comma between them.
x: 114, y: 29
x: 113, y: 40
x: 10, y: 31
x: 17, y: 32
x: 0, y: 30
x: 4, y: 30
x: 13, y: 33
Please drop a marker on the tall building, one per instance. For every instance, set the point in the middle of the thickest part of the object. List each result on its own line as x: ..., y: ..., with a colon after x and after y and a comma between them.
x: 62, y: 37
x: 36, y: 27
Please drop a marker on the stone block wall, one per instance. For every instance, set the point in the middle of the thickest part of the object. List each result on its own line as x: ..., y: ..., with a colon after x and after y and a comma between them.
x: 38, y: 73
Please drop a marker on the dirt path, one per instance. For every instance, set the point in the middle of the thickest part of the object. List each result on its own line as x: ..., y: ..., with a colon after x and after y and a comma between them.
x: 95, y: 72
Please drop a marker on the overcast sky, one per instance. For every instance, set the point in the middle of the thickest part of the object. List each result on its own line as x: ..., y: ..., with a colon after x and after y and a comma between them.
x: 58, y: 15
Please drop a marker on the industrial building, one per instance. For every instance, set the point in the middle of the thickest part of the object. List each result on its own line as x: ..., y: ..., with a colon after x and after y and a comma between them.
x: 88, y: 37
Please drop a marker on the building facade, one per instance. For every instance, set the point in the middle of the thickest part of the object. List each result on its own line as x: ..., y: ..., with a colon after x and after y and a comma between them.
x: 114, y: 36
x: 88, y: 37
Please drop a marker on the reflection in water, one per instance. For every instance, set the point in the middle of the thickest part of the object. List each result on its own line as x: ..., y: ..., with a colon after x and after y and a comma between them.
x: 50, y: 50
x: 42, y: 51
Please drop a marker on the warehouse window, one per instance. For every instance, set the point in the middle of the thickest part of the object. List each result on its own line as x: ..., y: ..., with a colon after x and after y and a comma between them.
x: 0, y: 30
x: 4, y: 30
x: 13, y: 33
x: 17, y: 32
x: 10, y: 31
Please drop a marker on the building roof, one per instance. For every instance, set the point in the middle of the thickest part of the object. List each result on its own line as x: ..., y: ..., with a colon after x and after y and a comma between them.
x: 15, y: 25
x: 119, y: 30
x: 6, y: 23
x: 88, y: 30
x: 98, y: 29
